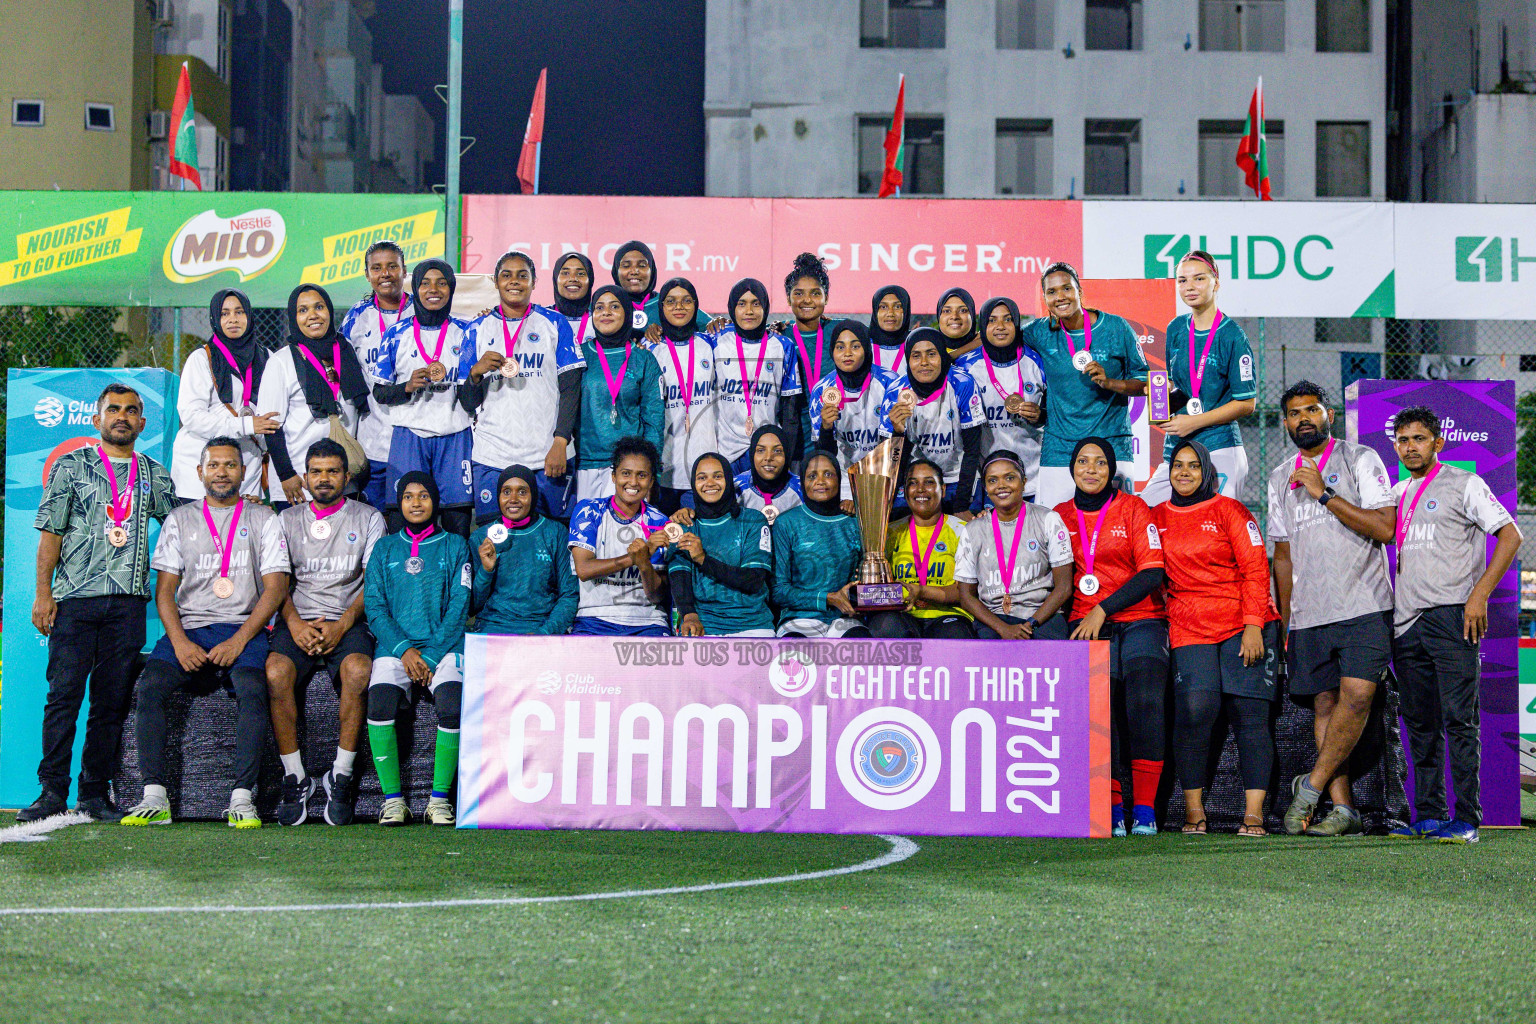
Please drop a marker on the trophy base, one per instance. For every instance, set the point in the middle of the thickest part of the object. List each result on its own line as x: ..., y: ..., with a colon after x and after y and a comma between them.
x: 878, y: 597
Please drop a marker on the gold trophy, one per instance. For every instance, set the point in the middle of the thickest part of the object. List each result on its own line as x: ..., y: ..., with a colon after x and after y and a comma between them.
x: 874, y: 485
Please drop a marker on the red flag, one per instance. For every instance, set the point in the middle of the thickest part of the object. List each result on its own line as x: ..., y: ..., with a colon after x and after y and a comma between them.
x: 1253, y: 148
x: 895, y: 144
x: 182, y: 144
x: 533, y: 141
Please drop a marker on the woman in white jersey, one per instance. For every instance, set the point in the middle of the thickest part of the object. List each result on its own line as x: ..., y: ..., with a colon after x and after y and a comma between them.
x: 1011, y: 385
x: 890, y: 319
x: 220, y: 385
x: 934, y: 407
x: 754, y: 373
x: 687, y: 361
x: 847, y: 401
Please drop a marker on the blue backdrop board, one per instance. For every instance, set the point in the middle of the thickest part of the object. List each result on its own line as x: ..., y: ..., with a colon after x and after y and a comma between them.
x: 48, y: 413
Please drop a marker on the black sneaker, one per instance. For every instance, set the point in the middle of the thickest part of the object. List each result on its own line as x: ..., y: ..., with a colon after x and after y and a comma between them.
x: 45, y: 806
x: 100, y: 808
x: 294, y: 807
x: 340, y: 798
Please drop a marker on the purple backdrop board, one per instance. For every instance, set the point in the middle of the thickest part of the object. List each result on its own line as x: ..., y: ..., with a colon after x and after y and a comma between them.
x: 1477, y: 419
x: 953, y: 737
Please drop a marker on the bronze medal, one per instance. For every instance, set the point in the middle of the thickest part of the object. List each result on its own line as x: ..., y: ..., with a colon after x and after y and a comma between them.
x: 223, y: 588
x: 117, y: 536
x: 673, y: 532
x: 437, y: 371
x: 1007, y: 604
x: 770, y: 513
x: 1014, y: 404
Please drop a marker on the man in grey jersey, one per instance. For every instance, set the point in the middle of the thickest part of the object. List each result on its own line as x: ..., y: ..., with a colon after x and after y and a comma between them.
x: 1330, y: 516
x: 223, y: 574
x: 1445, y: 516
x: 329, y: 540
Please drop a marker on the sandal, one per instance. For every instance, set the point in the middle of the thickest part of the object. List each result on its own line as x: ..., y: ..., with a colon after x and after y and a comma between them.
x: 1251, y: 829
x: 1194, y: 828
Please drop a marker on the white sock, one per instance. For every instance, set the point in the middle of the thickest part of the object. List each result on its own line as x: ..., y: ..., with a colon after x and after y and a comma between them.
x: 293, y: 764
x: 344, y: 762
x: 154, y: 794
x: 241, y: 796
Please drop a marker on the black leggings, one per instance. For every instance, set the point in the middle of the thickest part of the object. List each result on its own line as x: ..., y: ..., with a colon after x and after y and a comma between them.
x: 386, y: 700
x: 1138, y: 683
x: 161, y: 678
x: 1195, y: 714
x: 901, y: 626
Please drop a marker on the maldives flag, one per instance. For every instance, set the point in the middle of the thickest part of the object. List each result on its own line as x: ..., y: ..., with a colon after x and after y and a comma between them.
x: 183, y: 140
x: 895, y: 144
x: 1253, y: 149
x: 533, y: 141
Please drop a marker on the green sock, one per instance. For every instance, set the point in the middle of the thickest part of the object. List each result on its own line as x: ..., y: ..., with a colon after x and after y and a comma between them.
x: 445, y: 761
x: 386, y: 756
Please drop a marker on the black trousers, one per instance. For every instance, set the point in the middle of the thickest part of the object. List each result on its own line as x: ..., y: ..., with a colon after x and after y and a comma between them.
x: 1438, y: 675
x: 157, y: 683
x: 901, y: 626
x: 95, y: 640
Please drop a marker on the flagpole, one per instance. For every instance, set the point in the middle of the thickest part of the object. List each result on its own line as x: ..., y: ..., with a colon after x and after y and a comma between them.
x: 451, y: 150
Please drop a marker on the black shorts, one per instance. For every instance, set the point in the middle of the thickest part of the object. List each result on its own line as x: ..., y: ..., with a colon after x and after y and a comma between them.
x: 1319, y: 656
x: 1219, y: 668
x: 357, y: 640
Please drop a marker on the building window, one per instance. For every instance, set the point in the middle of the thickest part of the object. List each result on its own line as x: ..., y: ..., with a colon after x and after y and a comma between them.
x: 226, y: 18
x: 1112, y: 158
x: 1248, y: 25
x: 1023, y: 157
x: 1343, y: 159
x: 922, y: 156
x: 27, y: 113
x: 1219, y: 173
x: 1025, y: 24
x: 1112, y: 25
x: 100, y: 117
x: 902, y: 24
x: 1343, y: 26
x: 220, y: 162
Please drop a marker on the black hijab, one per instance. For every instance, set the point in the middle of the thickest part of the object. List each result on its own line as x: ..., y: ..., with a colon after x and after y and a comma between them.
x: 626, y: 332
x: 933, y: 337
x: 643, y: 250
x: 688, y: 329
x: 1093, y: 502
x: 879, y: 335
x: 729, y: 503
x: 573, y: 307
x: 423, y: 315
x: 970, y: 304
x: 771, y: 487
x: 740, y: 288
x: 417, y: 476
x: 1208, y: 478
x: 524, y: 474
x: 853, y: 381
x: 832, y: 506
x: 1007, y: 353
x: 317, y: 392
x: 248, y: 352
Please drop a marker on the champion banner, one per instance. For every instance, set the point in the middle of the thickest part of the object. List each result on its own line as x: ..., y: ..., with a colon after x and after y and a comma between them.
x: 178, y: 248
x: 847, y: 736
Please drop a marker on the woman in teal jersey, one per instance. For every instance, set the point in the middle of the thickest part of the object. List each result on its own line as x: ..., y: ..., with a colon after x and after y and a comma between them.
x: 719, y: 569
x: 816, y: 556
x: 1210, y: 369
x: 1093, y: 368
x: 620, y: 393
x: 523, y: 579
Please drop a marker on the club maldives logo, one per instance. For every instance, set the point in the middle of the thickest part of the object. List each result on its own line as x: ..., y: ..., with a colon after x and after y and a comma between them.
x: 248, y: 244
x: 1254, y: 257
x: 1481, y: 259
x: 792, y: 674
x: 888, y: 758
x: 49, y: 412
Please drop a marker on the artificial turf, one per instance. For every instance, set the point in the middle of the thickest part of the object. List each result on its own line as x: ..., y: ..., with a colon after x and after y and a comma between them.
x: 1162, y: 929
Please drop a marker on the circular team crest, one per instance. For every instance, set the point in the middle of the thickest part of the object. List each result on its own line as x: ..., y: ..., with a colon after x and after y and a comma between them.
x: 352, y: 537
x: 1431, y: 505
x: 888, y: 758
x: 1333, y: 478
x: 244, y: 533
x: 792, y: 674
x: 485, y: 494
x: 1032, y: 544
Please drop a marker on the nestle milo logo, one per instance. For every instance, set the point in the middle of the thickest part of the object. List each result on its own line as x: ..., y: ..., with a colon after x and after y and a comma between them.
x: 1482, y: 259
x: 1249, y: 257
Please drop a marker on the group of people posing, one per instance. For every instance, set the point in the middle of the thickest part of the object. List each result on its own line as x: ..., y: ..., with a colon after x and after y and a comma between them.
x: 423, y: 483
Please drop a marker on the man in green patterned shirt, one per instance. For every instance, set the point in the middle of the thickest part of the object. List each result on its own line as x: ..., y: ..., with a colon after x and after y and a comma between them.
x: 92, y: 588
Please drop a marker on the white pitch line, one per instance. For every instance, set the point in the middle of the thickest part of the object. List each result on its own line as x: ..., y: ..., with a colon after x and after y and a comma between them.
x: 36, y: 831
x: 901, y: 849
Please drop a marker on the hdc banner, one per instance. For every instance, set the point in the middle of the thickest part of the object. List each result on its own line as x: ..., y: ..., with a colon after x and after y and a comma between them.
x: 848, y: 736
x: 1477, y: 420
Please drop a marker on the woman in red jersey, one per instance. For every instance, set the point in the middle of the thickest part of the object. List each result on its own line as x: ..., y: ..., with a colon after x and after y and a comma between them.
x: 1224, y: 631
x: 1117, y: 577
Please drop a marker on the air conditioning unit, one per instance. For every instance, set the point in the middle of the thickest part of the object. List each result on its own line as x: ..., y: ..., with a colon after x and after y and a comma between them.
x: 162, y: 12
x: 159, y: 124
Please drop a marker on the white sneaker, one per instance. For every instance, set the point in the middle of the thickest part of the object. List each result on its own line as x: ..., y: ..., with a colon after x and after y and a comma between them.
x: 150, y: 811
x: 394, y: 811
x: 242, y: 813
x: 439, y: 811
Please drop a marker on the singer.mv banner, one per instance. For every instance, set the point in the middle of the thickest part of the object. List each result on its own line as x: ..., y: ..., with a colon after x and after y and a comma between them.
x: 950, y: 737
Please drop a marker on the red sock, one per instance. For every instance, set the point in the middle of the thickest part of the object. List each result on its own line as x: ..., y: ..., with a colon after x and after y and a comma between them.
x: 1144, y: 776
x: 1116, y: 796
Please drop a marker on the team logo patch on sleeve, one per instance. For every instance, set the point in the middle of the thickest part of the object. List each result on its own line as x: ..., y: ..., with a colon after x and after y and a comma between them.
x: 1253, y: 534
x: 466, y: 580
x: 765, y: 540
x: 1153, y: 540
x: 1245, y: 367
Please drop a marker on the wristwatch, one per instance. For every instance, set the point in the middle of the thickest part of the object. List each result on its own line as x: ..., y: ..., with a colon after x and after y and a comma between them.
x: 1328, y: 495
x: 1033, y: 625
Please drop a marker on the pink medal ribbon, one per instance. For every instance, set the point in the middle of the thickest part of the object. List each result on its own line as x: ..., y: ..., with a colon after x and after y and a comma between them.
x: 417, y: 538
x: 509, y: 336
x: 920, y: 561
x: 581, y: 331
x: 1090, y: 542
x: 1195, y: 380
x: 516, y: 524
x: 1321, y: 463
x: 245, y: 394
x: 741, y: 365
x: 615, y: 384
x: 321, y: 513
x: 685, y: 383
x: 334, y: 385
x: 1405, y: 519
x: 1087, y: 336
x: 1005, y: 567
x: 639, y: 517
x: 399, y: 311
x: 992, y: 372
x: 874, y: 354
x: 806, y: 359
x: 937, y: 392
x: 122, y: 505
x: 225, y: 545
x: 442, y: 337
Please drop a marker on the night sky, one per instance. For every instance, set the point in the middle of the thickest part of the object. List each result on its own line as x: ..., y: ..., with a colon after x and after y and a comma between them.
x: 618, y: 120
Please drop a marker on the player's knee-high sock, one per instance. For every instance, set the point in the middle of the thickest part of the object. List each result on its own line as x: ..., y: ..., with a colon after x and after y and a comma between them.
x: 383, y: 706
x: 445, y: 759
